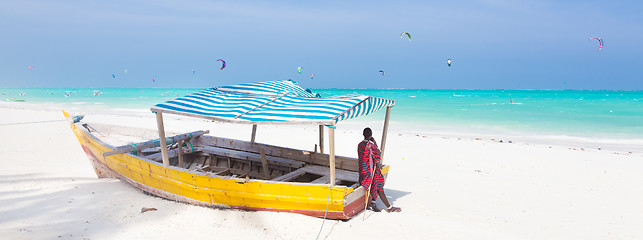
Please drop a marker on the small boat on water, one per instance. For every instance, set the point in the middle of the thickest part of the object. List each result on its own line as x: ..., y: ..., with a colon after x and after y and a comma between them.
x: 206, y: 170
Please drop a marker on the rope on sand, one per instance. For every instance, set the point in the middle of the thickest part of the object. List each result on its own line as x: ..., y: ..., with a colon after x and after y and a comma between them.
x: 327, y: 203
x: 9, y: 124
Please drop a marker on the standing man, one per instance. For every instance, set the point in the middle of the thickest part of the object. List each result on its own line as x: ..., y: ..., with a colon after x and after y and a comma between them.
x: 370, y: 175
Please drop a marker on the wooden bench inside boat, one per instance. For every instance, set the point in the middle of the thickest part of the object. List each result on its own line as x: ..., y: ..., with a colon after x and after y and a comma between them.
x: 255, y: 157
x: 324, y: 172
x: 234, y: 158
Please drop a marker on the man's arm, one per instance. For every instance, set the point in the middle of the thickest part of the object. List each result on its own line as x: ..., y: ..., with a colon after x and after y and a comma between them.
x: 376, y: 151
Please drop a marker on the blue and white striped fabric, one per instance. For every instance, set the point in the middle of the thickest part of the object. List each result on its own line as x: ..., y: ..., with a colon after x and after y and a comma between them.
x: 269, y: 88
x: 276, y: 106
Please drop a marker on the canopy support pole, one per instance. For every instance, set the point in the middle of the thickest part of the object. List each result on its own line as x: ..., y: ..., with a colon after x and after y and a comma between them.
x: 384, y: 133
x: 254, y: 133
x: 264, y: 164
x: 321, y: 138
x: 159, y: 123
x: 331, y: 155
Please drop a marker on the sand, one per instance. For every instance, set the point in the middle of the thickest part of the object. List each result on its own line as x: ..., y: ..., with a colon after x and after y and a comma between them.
x: 449, y: 187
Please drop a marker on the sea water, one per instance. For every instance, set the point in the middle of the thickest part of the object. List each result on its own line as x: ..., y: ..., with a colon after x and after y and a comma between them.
x: 613, y: 115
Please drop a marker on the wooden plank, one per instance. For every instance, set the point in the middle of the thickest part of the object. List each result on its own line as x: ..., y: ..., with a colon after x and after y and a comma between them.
x: 223, y: 172
x: 171, y: 153
x: 149, y: 151
x: 254, y: 133
x: 249, y: 156
x: 384, y: 133
x: 203, y: 163
x: 232, y: 161
x: 238, y: 172
x: 340, y: 174
x: 161, y: 128
x: 289, y: 176
x: 346, y: 163
x: 149, y: 144
x: 190, y: 164
x: 331, y: 153
x: 359, y: 192
x: 264, y: 163
x: 324, y: 180
x: 180, y: 153
x: 321, y: 138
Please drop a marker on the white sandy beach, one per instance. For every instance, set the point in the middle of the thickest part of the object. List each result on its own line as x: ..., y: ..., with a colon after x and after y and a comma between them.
x: 449, y: 187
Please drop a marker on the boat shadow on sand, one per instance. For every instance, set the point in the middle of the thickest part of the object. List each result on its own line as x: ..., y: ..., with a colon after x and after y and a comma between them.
x: 36, y: 206
x: 393, y: 194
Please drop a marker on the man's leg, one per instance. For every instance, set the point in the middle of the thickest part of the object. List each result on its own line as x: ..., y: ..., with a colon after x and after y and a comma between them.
x: 384, y: 199
x: 389, y: 208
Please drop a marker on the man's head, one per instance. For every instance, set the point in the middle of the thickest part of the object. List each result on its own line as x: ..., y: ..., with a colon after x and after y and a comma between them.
x: 367, y: 133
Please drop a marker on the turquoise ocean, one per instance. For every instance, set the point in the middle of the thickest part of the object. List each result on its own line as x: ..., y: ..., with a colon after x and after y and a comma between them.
x: 614, y: 115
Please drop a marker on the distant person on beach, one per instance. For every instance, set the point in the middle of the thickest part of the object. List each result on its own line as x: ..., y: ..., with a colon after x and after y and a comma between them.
x: 370, y: 175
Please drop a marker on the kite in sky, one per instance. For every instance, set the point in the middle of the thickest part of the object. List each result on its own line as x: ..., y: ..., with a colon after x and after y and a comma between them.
x: 449, y: 62
x: 600, y: 41
x: 113, y: 76
x: 153, y: 79
x: 407, y: 34
x: 30, y: 67
x: 311, y: 76
x: 299, y: 69
x: 222, y: 66
x: 382, y: 72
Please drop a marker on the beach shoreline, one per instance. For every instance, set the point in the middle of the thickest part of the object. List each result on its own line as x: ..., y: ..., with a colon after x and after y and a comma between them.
x: 448, y: 188
x: 616, y: 145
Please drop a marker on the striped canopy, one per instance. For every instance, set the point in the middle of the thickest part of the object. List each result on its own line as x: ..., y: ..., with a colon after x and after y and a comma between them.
x: 274, y: 102
x: 269, y: 88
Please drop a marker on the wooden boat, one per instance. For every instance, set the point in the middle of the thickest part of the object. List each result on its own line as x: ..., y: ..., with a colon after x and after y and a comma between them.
x: 205, y: 170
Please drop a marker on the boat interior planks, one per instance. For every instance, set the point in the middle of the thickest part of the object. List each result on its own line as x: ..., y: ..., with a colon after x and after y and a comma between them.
x: 229, y: 157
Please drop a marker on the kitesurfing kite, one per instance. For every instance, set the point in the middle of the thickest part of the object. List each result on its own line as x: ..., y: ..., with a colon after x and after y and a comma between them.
x: 311, y: 76
x: 449, y: 62
x: 113, y: 76
x: 222, y: 66
x: 600, y: 41
x: 30, y: 67
x: 299, y: 69
x: 407, y: 34
x: 382, y: 72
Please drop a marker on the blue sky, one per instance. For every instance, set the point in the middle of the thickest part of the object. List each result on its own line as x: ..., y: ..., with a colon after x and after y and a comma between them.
x: 493, y: 44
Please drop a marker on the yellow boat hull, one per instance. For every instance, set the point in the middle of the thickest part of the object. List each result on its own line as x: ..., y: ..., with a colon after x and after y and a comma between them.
x: 219, y: 191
